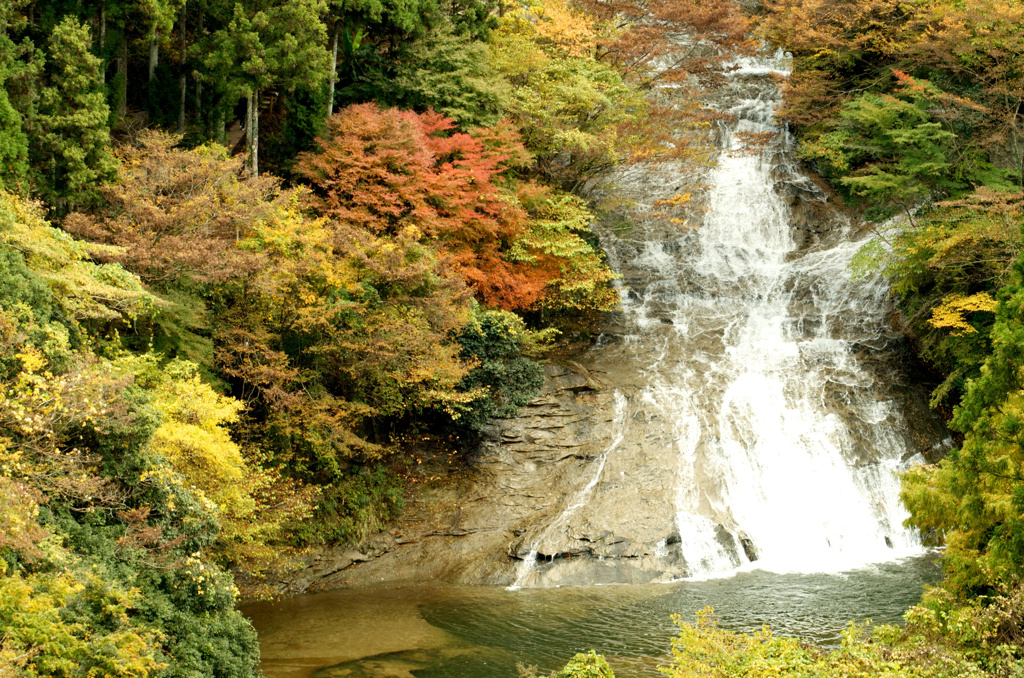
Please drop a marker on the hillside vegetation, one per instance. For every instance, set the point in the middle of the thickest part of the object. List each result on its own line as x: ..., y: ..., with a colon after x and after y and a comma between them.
x: 249, y: 250
x: 914, y: 113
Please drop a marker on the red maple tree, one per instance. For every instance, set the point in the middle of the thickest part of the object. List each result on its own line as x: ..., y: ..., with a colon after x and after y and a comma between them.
x: 388, y: 171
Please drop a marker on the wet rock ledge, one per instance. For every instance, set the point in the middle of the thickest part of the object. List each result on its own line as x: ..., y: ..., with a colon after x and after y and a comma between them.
x: 467, y: 527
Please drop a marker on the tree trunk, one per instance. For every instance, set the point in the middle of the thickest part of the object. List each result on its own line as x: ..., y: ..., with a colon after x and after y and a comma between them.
x: 199, y: 83
x: 219, y: 126
x: 248, y: 132
x: 182, y: 77
x: 122, y: 70
x: 256, y: 134
x: 334, y: 68
x: 154, y: 52
x: 103, y: 43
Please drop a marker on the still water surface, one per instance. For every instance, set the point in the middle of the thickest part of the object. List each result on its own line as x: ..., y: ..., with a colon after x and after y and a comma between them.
x: 426, y: 632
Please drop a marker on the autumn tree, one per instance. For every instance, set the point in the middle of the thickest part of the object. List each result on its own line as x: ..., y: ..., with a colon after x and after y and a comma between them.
x: 839, y: 47
x: 178, y: 213
x: 560, y: 242
x: 126, y: 577
x: 386, y: 171
x: 340, y: 338
x: 636, y: 35
x: 177, y: 216
x: 572, y: 110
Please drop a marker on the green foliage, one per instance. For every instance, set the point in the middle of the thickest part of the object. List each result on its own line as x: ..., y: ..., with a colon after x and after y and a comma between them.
x: 973, y: 498
x: 389, y: 21
x: 498, y: 344
x: 69, y: 141
x: 105, y: 468
x: 887, y: 149
x: 13, y: 140
x: 450, y: 73
x: 574, y: 111
x: 361, y: 502
x: 87, y: 292
x: 560, y: 239
x: 272, y: 43
x: 589, y: 665
x: 445, y: 70
x: 13, y: 145
x: 29, y: 316
x: 52, y: 294
x: 130, y: 535
x: 952, y: 252
x: 297, y: 121
x: 706, y: 650
x: 71, y: 624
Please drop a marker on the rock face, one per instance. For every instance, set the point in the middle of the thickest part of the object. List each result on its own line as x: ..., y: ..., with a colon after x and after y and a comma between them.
x: 745, y: 405
x: 472, y: 527
x: 477, y: 527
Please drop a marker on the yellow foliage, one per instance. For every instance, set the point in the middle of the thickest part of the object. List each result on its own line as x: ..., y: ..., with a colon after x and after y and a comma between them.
x: 85, y: 289
x: 677, y: 200
x: 45, y: 636
x: 193, y: 439
x: 952, y: 313
x: 565, y: 27
x: 32, y: 359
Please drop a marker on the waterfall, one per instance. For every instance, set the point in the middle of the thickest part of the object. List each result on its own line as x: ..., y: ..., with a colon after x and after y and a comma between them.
x: 759, y: 422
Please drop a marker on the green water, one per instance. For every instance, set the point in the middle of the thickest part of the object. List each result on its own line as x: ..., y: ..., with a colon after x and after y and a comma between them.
x: 430, y: 632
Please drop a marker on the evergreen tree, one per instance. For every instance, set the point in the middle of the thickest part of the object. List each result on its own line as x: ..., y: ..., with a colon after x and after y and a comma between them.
x: 975, y: 497
x: 69, y: 139
x: 452, y: 74
x: 271, y: 44
x: 13, y: 142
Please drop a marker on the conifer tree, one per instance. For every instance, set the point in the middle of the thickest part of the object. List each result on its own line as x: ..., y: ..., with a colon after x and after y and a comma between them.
x: 274, y: 44
x: 13, y: 142
x: 69, y: 138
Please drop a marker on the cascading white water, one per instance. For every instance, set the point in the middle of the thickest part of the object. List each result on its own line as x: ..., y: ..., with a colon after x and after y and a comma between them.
x: 751, y: 355
x: 780, y: 462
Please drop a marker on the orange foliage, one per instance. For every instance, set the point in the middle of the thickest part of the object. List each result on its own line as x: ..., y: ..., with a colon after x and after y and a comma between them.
x: 664, y: 31
x: 178, y: 213
x: 846, y: 46
x: 385, y: 170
